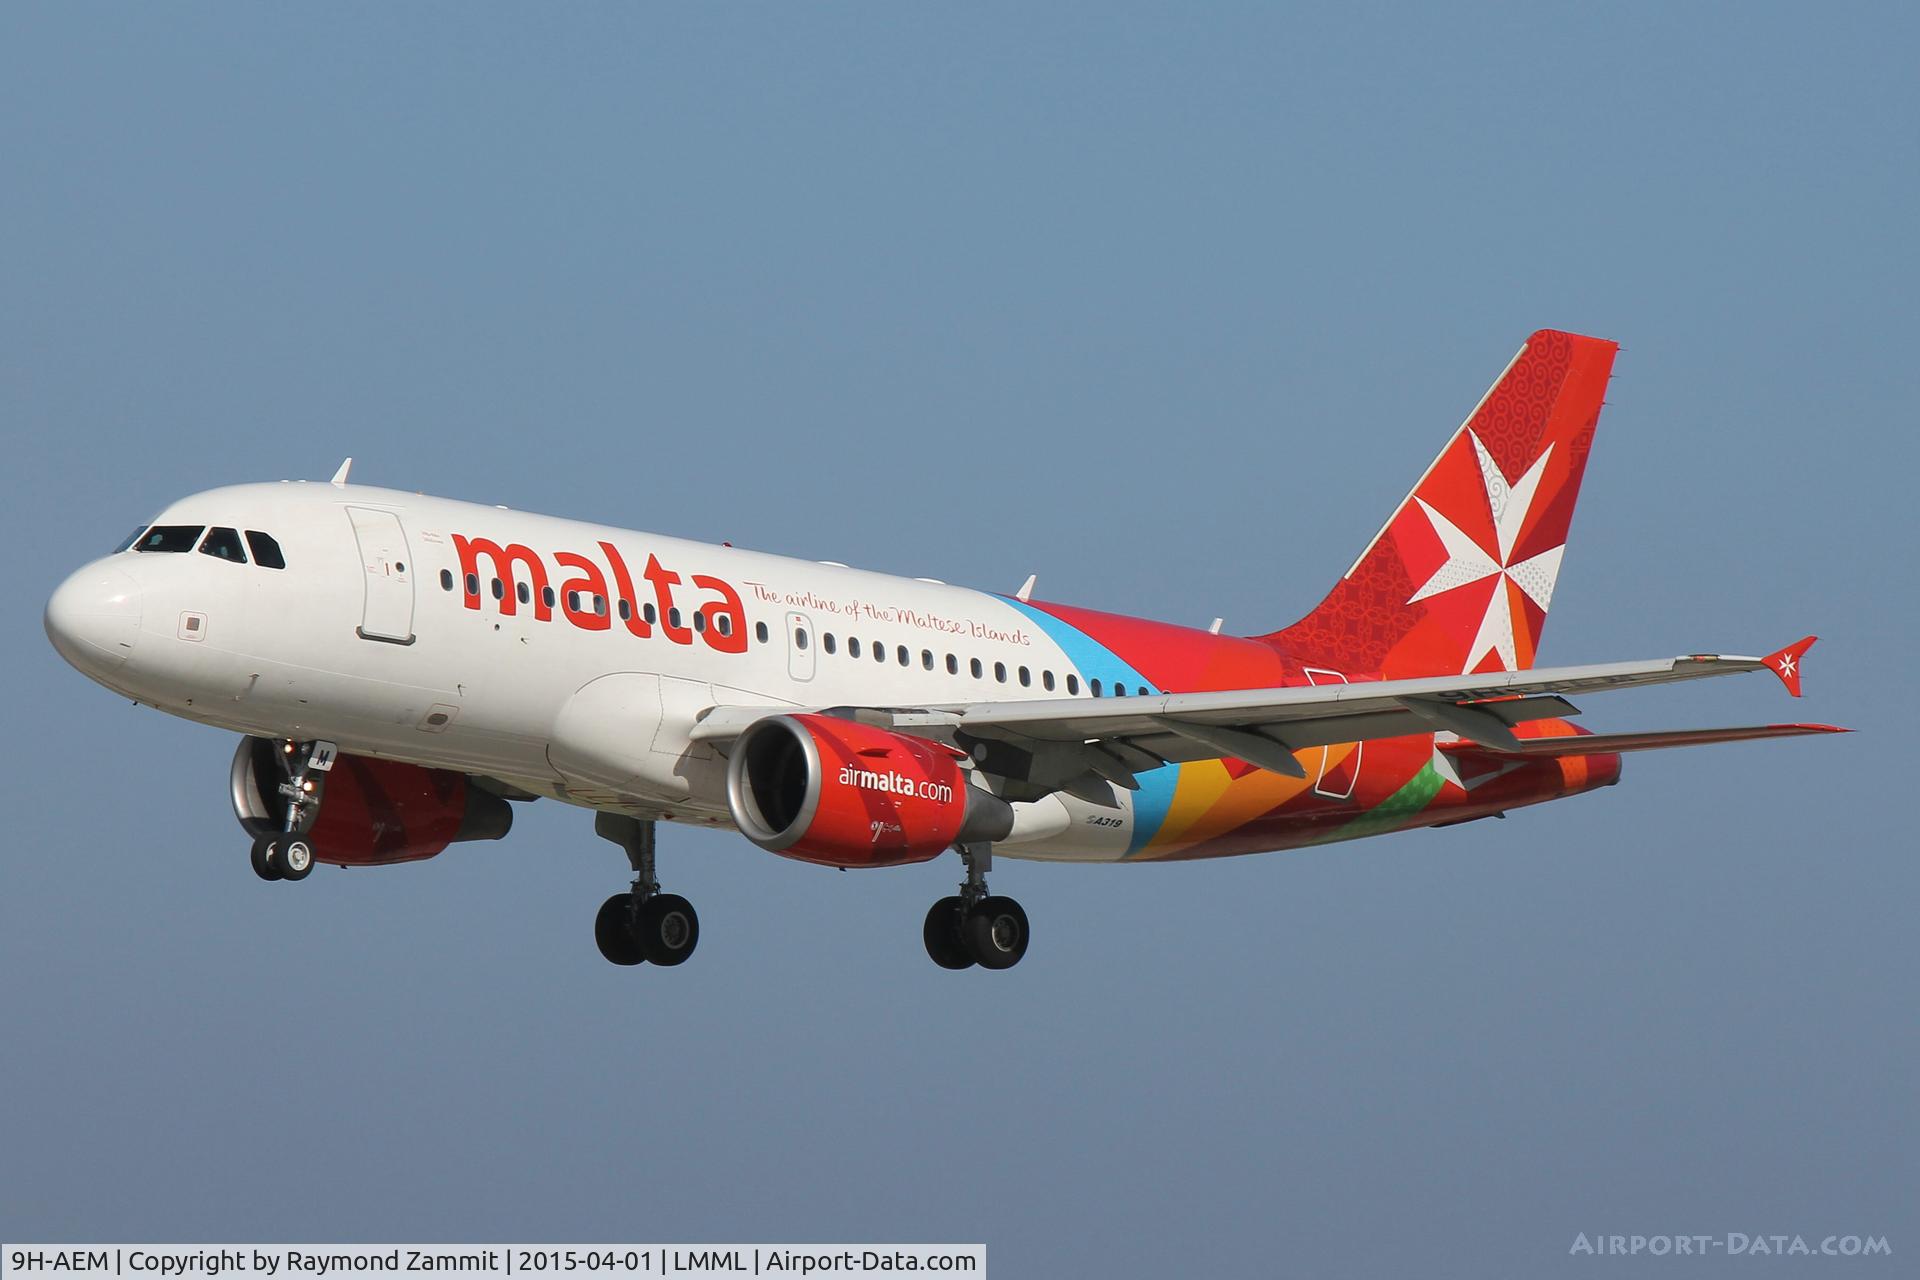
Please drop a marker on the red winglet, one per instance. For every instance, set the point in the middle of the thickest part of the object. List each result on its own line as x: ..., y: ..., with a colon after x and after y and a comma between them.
x: 1786, y: 663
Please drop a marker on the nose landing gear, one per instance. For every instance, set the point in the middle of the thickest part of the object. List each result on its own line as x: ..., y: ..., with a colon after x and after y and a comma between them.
x: 287, y: 854
x: 973, y: 926
x: 643, y: 924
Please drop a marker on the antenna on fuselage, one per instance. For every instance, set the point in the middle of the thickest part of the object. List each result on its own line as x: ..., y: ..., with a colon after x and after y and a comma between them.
x: 340, y: 476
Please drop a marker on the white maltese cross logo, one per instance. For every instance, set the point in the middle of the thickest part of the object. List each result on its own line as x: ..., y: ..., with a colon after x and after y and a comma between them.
x: 1468, y: 562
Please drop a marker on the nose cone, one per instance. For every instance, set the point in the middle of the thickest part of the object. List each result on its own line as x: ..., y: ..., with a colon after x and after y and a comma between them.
x: 94, y: 618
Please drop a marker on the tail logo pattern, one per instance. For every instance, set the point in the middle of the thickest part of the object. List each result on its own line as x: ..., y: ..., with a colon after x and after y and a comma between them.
x: 1470, y: 562
x: 1460, y: 576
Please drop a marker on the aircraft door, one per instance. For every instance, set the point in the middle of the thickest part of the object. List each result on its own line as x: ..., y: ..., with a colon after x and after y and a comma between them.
x: 1338, y: 774
x: 386, y: 566
x: 800, y: 653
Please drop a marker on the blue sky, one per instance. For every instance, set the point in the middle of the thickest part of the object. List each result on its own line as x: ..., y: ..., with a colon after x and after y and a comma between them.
x: 1166, y: 305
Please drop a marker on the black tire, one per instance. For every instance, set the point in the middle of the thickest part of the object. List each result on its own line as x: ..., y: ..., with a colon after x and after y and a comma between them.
x: 996, y: 933
x: 613, y: 931
x: 294, y: 859
x: 265, y: 865
x: 668, y: 929
x: 942, y: 934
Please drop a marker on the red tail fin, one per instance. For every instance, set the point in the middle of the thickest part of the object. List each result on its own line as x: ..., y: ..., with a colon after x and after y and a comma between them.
x: 1460, y: 577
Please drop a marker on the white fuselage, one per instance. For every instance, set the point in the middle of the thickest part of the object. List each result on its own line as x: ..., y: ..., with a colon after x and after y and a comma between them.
x: 369, y: 638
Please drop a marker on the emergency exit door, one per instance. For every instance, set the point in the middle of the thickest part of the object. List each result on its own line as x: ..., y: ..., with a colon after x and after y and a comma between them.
x: 800, y: 659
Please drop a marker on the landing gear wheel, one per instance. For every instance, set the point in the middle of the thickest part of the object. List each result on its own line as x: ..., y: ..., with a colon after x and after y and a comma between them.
x: 667, y: 928
x: 265, y: 864
x: 613, y: 931
x: 942, y: 934
x: 644, y: 924
x: 294, y: 860
x: 996, y: 932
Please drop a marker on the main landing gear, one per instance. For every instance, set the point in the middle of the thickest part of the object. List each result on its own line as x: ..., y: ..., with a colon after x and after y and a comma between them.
x: 975, y: 927
x: 287, y: 854
x: 643, y: 924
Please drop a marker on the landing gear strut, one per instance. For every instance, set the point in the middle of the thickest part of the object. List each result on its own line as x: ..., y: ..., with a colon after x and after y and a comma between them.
x: 643, y: 924
x: 287, y: 854
x: 973, y: 926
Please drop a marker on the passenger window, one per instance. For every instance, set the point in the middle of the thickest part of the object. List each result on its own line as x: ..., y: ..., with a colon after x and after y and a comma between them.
x: 879, y: 652
x: 1119, y: 691
x: 573, y: 602
x: 974, y: 666
x: 446, y: 579
x: 599, y: 606
x: 905, y: 658
x: 473, y: 585
x: 953, y: 665
x: 699, y: 620
x: 266, y: 551
x: 499, y: 589
x: 1073, y: 683
x: 546, y: 594
x: 673, y: 618
x: 1093, y: 687
x: 224, y: 544
x: 724, y: 624
x: 799, y: 637
x: 651, y: 614
x: 523, y: 593
x: 626, y: 609
x: 1046, y: 681
x: 853, y: 646
x: 926, y: 659
x: 129, y: 540
x: 1026, y: 678
x: 826, y: 641
x: 171, y: 537
x: 760, y: 632
x: 1000, y: 672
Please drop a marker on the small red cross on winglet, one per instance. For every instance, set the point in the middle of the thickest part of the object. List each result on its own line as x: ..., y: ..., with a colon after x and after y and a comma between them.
x: 1786, y: 663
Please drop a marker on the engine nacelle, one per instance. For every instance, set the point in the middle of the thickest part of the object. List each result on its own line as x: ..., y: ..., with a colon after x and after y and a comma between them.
x: 844, y: 794
x: 371, y: 811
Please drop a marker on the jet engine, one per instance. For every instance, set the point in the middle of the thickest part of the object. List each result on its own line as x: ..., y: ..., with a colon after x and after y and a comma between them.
x: 843, y: 794
x: 371, y: 811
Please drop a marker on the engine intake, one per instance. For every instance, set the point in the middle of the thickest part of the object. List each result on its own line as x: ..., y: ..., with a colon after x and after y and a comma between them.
x: 843, y: 794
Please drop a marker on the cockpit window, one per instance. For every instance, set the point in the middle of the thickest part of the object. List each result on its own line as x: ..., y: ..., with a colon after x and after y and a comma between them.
x: 170, y: 537
x: 224, y: 544
x: 266, y: 552
x: 129, y: 540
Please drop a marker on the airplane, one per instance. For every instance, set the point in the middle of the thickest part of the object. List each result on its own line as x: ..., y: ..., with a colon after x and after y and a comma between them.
x: 404, y: 669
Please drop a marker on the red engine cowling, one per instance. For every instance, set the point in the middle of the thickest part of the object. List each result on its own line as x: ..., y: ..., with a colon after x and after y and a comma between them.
x: 844, y: 794
x: 372, y: 811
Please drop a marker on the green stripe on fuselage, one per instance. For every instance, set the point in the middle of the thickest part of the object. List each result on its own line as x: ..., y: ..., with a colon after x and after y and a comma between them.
x: 1392, y: 813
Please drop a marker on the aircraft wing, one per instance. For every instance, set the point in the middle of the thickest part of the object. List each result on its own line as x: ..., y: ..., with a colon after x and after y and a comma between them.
x: 1079, y: 744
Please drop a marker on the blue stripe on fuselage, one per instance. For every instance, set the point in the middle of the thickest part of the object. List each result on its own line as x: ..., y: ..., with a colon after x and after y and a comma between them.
x: 1095, y: 661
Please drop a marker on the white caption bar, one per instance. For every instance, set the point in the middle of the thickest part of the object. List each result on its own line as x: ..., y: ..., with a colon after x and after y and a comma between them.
x: 307, y: 1261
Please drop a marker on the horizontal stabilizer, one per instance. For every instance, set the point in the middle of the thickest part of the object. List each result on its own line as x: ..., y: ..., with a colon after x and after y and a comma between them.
x: 1593, y: 744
